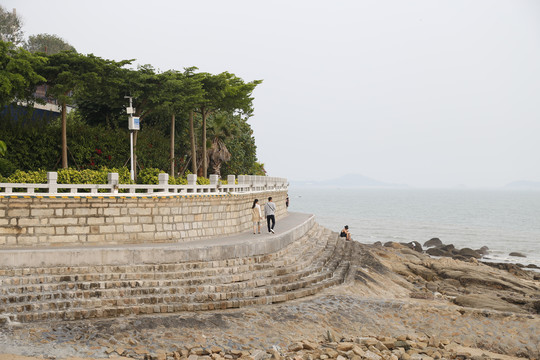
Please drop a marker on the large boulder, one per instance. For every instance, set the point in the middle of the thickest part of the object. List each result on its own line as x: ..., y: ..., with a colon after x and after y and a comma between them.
x: 484, y: 250
x: 435, y: 251
x: 433, y: 242
x: 449, y: 247
x: 414, y: 245
x: 487, y: 301
x: 468, y: 253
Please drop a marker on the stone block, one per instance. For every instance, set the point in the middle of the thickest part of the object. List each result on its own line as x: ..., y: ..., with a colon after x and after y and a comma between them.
x: 95, y: 220
x: 145, y: 219
x: 18, y: 212
x: 84, y: 212
x: 44, y: 230
x: 42, y: 212
x: 64, y: 221
x: 12, y: 230
x: 79, y: 229
x: 95, y: 238
x: 111, y: 212
x: 139, y: 211
x: 27, y: 240
x: 132, y: 228
x: 29, y: 222
x: 122, y: 220
x: 149, y: 227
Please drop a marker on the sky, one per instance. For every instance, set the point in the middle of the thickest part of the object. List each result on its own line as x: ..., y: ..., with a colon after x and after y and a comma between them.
x: 427, y: 93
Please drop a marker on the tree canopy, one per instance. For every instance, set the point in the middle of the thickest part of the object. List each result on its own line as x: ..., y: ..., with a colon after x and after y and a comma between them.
x: 11, y: 27
x: 47, y: 43
x: 176, y: 109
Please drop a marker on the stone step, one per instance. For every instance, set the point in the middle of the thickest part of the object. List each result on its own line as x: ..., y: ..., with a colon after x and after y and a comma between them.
x: 106, y: 290
x: 136, y: 306
x: 303, y: 268
x: 65, y: 283
x: 139, y: 272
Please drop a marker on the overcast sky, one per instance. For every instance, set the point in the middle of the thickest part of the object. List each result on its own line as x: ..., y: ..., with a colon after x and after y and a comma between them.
x: 427, y: 93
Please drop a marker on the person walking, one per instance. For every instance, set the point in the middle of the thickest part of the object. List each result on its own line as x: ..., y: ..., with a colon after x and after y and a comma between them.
x: 270, y: 211
x: 256, y: 216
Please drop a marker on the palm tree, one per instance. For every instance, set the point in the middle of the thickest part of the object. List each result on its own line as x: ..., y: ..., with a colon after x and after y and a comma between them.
x: 219, y: 131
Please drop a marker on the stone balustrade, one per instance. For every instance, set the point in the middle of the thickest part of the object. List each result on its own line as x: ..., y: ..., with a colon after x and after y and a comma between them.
x: 246, y: 184
x: 157, y: 214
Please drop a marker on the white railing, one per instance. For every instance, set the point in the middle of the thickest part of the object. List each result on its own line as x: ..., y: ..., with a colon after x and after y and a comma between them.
x: 246, y: 183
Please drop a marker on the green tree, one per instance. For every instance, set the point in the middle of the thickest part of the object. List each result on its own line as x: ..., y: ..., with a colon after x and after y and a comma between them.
x: 67, y: 73
x: 3, y: 148
x: 102, y: 102
x: 219, y: 131
x: 144, y: 86
x: 223, y: 92
x: 18, y: 74
x: 180, y: 92
x: 48, y: 44
x: 10, y: 27
x: 242, y: 148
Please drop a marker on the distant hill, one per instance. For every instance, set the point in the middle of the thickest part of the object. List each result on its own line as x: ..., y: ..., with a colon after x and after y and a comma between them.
x: 350, y: 181
x: 522, y: 184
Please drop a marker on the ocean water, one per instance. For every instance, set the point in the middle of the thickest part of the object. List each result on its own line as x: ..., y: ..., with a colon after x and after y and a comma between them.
x: 503, y: 220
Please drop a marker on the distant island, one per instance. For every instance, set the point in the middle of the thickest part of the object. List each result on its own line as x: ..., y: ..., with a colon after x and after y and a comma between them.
x: 349, y: 181
x: 522, y: 184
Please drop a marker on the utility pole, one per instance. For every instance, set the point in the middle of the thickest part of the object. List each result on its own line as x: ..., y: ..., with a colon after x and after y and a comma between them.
x: 133, y: 125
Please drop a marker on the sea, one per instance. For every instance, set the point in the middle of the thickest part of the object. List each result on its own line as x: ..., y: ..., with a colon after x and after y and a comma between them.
x: 503, y: 220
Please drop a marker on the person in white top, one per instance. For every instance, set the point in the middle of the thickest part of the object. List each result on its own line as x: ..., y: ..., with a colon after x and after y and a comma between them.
x: 256, y: 216
x: 269, y: 211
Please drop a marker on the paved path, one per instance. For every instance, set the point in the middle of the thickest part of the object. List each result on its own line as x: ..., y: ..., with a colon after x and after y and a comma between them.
x: 244, y: 244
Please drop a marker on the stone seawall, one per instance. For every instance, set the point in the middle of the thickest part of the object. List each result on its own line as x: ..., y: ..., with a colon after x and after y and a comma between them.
x: 44, y: 221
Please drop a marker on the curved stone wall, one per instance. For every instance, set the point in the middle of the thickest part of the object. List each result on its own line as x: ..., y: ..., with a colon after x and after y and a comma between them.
x: 44, y: 221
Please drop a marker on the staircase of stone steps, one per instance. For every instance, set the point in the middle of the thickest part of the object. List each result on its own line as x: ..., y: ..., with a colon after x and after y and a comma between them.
x: 303, y: 268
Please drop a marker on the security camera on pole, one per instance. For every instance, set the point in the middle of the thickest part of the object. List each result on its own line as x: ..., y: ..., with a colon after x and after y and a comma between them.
x: 133, y: 125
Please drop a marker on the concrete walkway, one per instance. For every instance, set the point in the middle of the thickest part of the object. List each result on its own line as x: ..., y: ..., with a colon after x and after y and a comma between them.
x: 288, y: 229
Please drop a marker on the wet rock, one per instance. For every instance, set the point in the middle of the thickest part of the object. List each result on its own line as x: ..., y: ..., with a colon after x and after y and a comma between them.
x: 414, y: 245
x: 433, y: 242
x: 393, y: 245
x: 468, y: 253
x: 437, y: 252
x: 484, y: 250
x: 517, y: 254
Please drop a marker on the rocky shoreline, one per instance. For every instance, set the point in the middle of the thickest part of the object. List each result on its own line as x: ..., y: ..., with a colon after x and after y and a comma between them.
x: 396, y: 303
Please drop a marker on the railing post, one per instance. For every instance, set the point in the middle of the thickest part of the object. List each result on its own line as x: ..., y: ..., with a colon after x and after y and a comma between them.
x: 112, y: 181
x: 242, y: 180
x: 192, y: 179
x: 163, y: 179
x: 214, y: 179
x: 52, y: 178
x: 231, y: 180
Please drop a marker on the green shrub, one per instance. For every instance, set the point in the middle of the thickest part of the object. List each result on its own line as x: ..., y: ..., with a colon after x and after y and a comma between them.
x: 149, y: 176
x: 6, y: 167
x: 28, y: 177
x: 203, y: 181
x: 177, y: 181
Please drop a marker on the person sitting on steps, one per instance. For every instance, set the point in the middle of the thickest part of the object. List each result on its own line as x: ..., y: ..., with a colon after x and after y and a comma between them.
x: 345, y: 233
